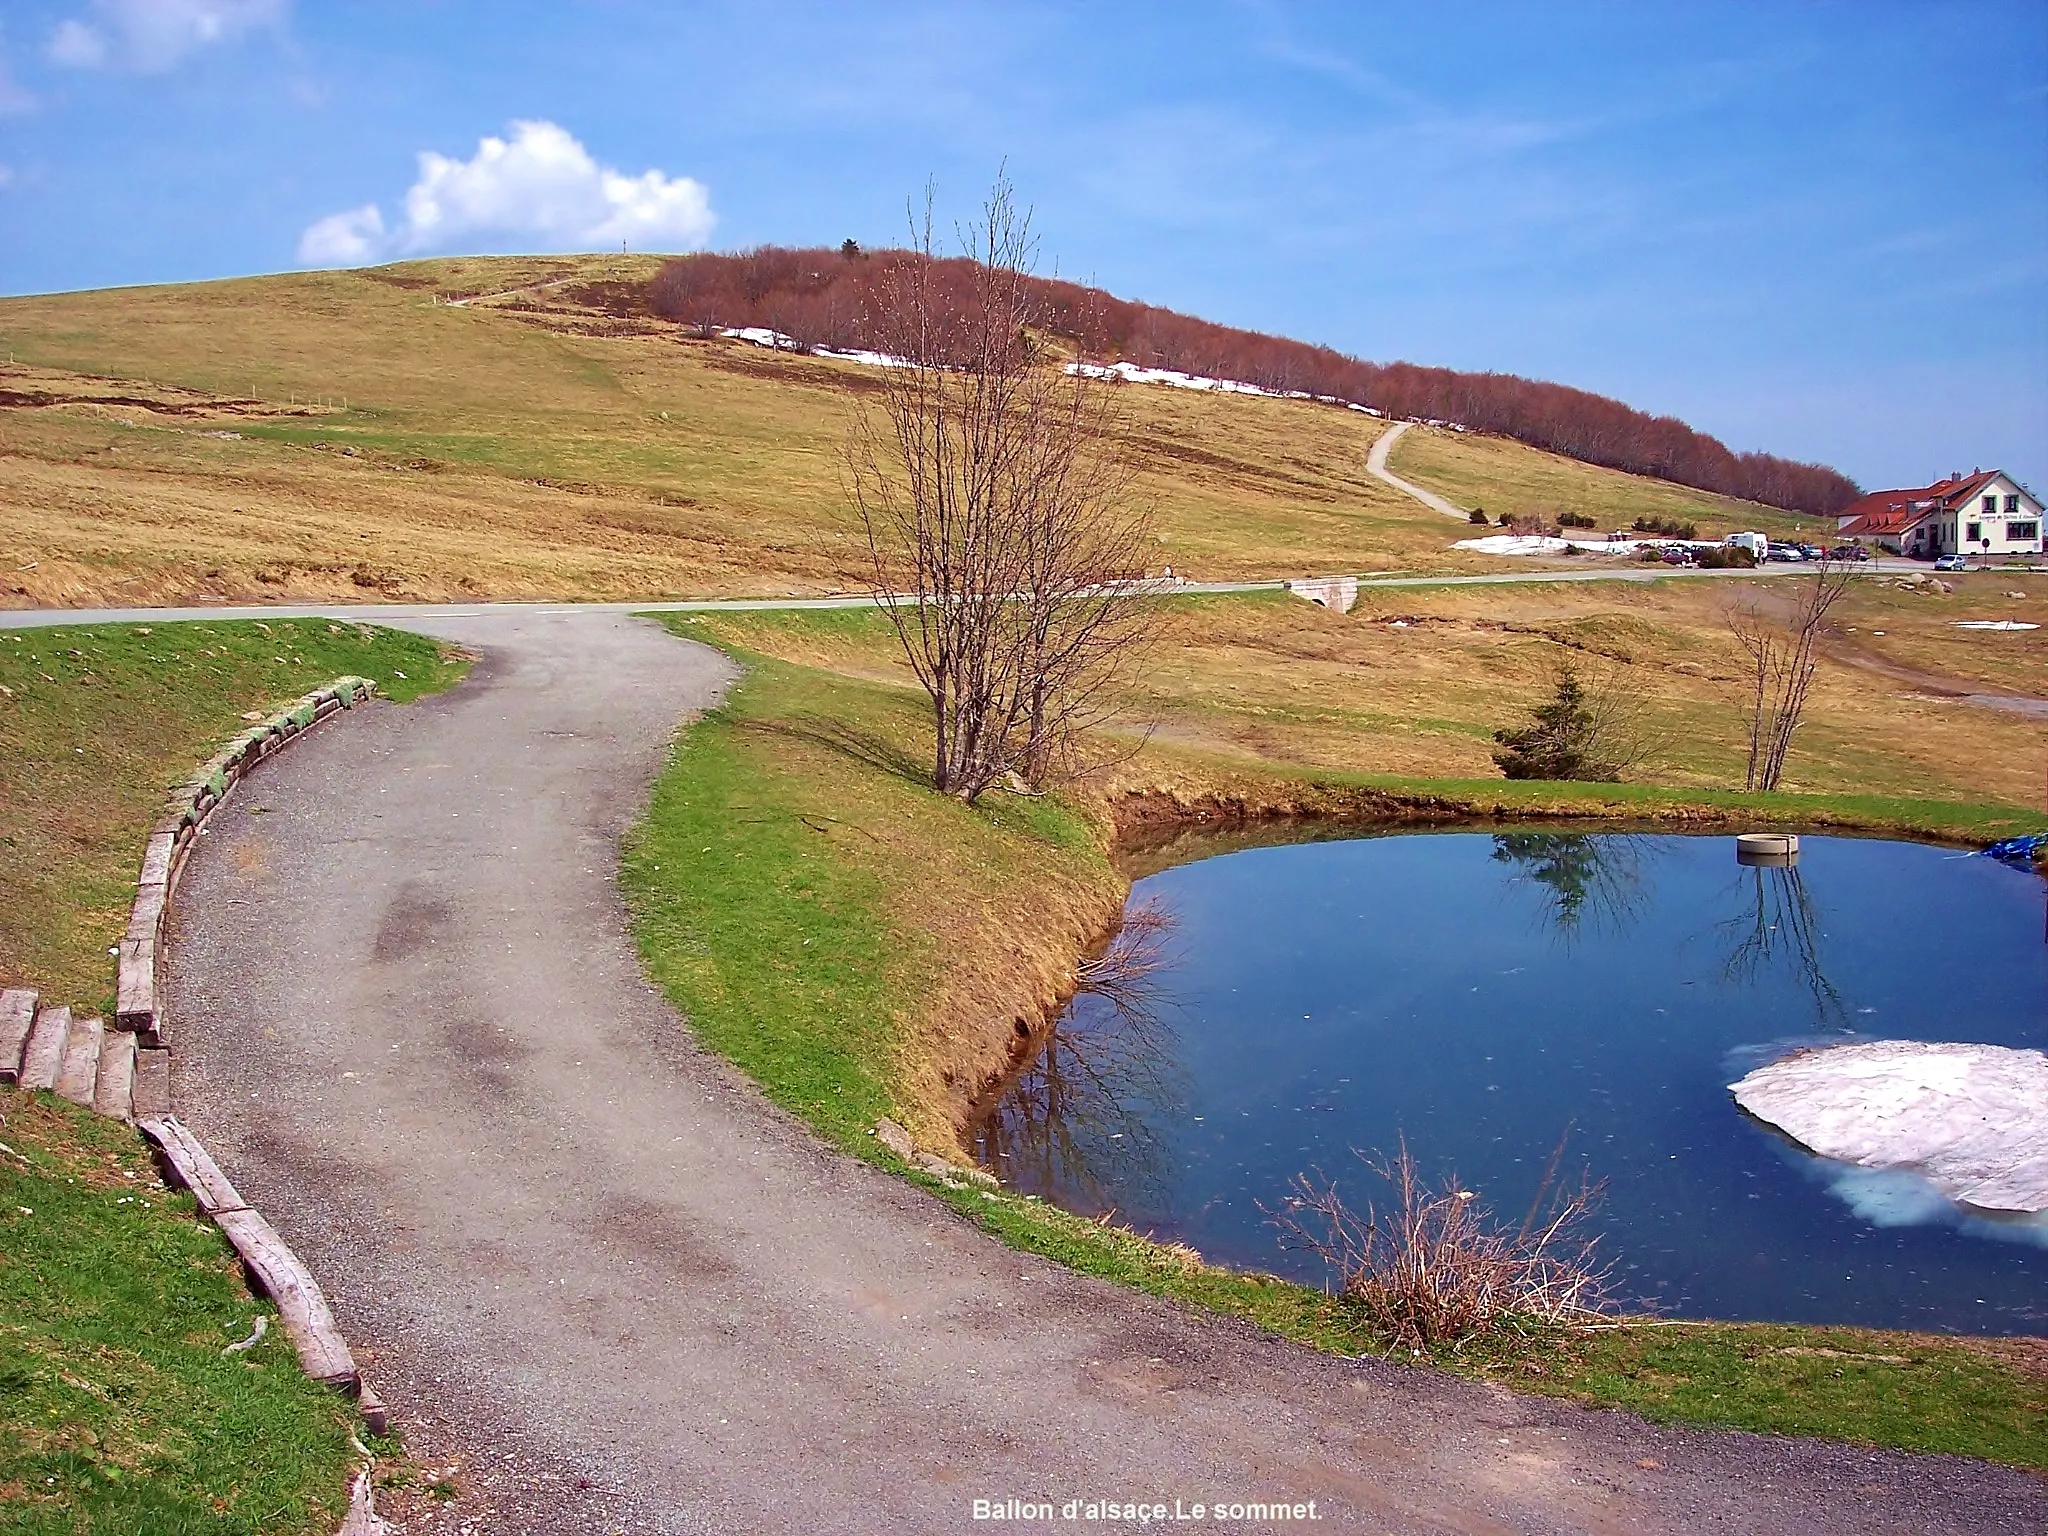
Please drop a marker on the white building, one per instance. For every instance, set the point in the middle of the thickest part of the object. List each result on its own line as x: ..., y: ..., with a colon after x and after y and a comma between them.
x: 1985, y: 513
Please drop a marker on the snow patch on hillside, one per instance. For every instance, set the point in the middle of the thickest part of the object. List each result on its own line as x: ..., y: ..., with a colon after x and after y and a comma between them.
x: 1130, y: 373
x: 762, y: 336
x: 1544, y: 544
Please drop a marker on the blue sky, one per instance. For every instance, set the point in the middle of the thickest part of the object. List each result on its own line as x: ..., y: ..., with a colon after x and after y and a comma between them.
x: 1820, y: 230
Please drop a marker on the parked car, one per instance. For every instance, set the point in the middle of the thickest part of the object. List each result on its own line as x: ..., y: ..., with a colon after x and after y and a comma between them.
x: 1787, y: 552
x: 1848, y: 552
x: 1677, y: 554
x: 1812, y: 551
x: 1951, y: 563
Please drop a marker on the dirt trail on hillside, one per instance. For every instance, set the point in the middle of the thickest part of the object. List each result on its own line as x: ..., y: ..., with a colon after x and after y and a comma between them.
x: 1850, y: 652
x: 1376, y: 466
x: 594, y: 1262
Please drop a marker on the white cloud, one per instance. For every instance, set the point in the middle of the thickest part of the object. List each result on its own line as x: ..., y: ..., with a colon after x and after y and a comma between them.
x: 150, y: 36
x: 15, y: 98
x: 347, y: 239
x: 78, y: 46
x: 539, y: 188
x: 15, y: 101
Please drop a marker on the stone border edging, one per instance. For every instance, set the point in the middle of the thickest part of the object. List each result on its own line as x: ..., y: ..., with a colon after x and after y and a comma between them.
x: 128, y: 1076
x: 136, y: 1008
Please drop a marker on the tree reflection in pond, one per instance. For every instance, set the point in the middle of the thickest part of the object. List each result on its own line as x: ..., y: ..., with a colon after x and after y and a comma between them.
x: 1084, y: 1115
x: 1590, y: 876
x: 1779, y: 926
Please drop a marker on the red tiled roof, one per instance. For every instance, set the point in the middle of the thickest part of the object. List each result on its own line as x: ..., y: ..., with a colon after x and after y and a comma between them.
x: 1888, y: 512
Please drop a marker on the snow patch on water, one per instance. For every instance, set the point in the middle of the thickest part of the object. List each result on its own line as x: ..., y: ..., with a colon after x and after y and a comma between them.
x: 1971, y: 1121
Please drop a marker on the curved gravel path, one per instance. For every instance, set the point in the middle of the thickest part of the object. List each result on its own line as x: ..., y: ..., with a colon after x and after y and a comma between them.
x: 1376, y: 465
x: 588, y: 1257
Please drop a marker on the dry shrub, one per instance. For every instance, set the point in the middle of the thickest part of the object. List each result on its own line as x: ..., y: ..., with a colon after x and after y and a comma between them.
x: 1434, y: 1271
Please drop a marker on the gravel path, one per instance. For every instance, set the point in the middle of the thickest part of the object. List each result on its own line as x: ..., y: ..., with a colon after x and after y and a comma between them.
x: 1376, y: 465
x: 593, y: 1262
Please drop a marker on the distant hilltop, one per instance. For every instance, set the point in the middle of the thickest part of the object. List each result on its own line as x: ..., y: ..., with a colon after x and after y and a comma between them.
x: 826, y: 298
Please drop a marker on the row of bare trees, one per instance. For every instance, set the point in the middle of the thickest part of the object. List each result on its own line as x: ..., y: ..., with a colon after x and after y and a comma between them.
x: 1004, y: 536
x: 843, y: 299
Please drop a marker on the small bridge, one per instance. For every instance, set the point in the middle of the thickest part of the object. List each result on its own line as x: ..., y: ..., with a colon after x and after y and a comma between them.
x: 1339, y: 594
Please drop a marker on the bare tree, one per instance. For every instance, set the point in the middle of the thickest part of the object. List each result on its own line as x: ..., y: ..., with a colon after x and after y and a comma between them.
x: 1782, y: 666
x: 995, y: 493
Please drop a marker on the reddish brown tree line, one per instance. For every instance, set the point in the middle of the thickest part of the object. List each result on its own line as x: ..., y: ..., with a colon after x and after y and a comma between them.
x: 829, y: 298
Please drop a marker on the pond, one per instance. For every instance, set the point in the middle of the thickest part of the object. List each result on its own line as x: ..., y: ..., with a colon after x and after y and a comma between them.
x: 1484, y: 995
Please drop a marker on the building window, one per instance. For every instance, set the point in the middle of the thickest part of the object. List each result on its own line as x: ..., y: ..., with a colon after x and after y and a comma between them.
x: 1976, y: 532
x: 2012, y: 506
x: 1991, y: 506
x: 2027, y: 532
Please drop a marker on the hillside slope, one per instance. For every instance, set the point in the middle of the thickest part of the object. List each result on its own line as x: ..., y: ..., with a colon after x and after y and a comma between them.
x: 376, y: 435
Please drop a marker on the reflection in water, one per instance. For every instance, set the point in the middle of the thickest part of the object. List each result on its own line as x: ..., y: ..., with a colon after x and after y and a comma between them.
x: 1339, y: 994
x: 1085, y: 1114
x: 1588, y: 875
x: 1781, y: 928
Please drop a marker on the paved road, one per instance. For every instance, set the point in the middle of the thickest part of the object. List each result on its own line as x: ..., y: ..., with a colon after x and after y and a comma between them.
x: 419, y: 615
x: 595, y: 1261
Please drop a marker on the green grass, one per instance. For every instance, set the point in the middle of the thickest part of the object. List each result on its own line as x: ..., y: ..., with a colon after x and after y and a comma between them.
x: 118, y: 1412
x: 1908, y: 1390
x: 98, y: 722
x: 780, y: 954
x: 776, y: 822
x: 770, y: 880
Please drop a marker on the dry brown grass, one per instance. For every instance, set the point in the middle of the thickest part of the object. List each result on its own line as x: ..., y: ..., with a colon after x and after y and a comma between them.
x: 1507, y: 477
x: 1414, y: 682
x: 553, y: 440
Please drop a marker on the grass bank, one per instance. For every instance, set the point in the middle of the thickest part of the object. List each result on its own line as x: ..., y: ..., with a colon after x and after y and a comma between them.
x: 97, y: 722
x: 118, y: 1411
x: 862, y: 947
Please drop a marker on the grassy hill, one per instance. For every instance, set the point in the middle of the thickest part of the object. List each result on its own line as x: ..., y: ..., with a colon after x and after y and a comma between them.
x: 376, y: 435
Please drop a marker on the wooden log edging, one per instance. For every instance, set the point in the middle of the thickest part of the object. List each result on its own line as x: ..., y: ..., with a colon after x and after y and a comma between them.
x: 137, y: 1005
x: 122, y: 1069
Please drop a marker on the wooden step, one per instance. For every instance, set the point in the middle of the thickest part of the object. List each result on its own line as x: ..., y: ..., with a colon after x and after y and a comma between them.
x: 152, y: 1095
x: 191, y: 1167
x: 114, y: 1093
x: 43, y: 1057
x: 323, y: 1353
x: 79, y: 1074
x: 135, y: 983
x: 17, y: 1018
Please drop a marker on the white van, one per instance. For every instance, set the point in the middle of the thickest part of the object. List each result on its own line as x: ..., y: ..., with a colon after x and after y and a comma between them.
x: 1755, y: 543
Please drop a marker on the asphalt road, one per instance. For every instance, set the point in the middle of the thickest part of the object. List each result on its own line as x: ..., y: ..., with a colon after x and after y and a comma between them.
x: 421, y: 615
x: 594, y: 1264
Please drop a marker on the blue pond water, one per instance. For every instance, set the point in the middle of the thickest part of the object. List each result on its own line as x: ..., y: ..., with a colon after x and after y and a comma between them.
x: 1482, y: 993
